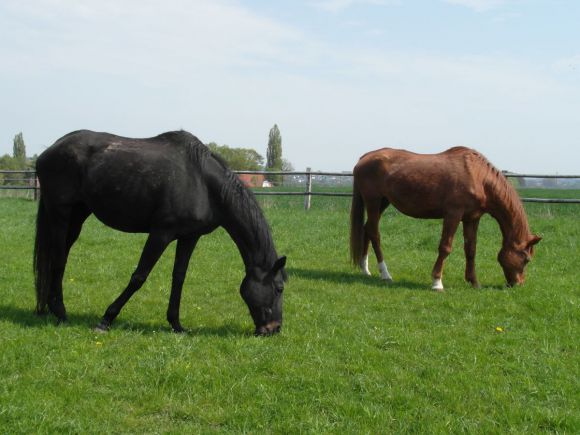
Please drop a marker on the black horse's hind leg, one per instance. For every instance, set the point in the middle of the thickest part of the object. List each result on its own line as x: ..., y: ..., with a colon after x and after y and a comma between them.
x: 58, y: 262
x: 65, y: 222
x: 183, y: 251
x: 65, y: 234
x: 154, y: 247
x: 79, y: 215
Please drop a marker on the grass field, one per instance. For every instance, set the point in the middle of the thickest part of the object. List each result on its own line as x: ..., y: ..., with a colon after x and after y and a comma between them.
x: 355, y: 355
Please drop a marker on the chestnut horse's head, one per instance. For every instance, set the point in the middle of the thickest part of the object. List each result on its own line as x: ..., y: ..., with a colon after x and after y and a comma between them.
x: 514, y: 259
x: 262, y: 292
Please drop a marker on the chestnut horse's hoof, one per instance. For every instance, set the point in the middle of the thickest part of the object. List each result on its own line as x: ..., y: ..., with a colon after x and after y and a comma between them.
x: 437, y: 285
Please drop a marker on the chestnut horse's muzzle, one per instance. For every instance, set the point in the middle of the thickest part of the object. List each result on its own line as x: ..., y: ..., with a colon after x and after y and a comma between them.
x: 271, y: 328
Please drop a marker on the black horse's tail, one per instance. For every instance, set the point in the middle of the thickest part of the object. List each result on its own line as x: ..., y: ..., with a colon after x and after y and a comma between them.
x: 357, y: 215
x: 42, y: 258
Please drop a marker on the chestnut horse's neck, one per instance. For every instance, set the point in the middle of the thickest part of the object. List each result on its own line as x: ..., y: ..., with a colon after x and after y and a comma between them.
x: 505, y: 205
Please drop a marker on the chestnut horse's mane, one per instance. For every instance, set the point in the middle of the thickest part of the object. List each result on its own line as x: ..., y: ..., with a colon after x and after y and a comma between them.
x: 499, y: 190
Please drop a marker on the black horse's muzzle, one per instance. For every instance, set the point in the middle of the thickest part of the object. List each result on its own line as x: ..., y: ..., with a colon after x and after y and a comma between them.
x: 271, y: 328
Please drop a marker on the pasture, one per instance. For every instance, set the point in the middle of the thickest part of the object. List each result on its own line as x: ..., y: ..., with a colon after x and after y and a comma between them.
x: 355, y: 355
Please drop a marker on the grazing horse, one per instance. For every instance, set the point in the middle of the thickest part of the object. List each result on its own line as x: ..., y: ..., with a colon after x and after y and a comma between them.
x: 458, y: 185
x: 170, y: 186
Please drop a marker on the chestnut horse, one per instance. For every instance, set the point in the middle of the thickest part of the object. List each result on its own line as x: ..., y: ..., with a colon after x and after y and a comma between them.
x: 457, y: 185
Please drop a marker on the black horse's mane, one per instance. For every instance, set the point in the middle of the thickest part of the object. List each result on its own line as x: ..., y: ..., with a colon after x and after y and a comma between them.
x: 242, y: 201
x: 239, y: 201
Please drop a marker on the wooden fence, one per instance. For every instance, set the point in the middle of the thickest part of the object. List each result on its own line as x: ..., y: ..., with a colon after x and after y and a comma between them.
x: 26, y: 180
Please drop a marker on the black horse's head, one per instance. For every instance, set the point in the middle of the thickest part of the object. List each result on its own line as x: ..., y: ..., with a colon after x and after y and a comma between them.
x: 262, y: 291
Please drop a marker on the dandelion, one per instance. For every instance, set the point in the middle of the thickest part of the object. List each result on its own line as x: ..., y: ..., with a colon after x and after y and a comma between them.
x: 99, y: 343
x: 498, y: 329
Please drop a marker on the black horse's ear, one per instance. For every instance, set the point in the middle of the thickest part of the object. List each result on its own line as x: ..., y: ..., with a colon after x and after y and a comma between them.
x: 279, y: 264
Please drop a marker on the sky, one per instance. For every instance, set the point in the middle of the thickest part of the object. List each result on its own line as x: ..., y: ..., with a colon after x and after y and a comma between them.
x: 338, y: 77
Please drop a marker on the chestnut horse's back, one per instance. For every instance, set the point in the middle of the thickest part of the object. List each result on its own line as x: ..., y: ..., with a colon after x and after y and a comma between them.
x: 427, y: 186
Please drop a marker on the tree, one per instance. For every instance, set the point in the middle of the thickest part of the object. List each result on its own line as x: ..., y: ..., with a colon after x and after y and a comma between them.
x: 19, y: 150
x: 238, y: 159
x: 274, y: 153
x: 287, y: 165
x: 9, y: 163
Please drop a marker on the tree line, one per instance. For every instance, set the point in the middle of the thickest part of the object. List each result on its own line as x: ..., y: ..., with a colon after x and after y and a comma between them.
x: 18, y: 161
x: 247, y: 159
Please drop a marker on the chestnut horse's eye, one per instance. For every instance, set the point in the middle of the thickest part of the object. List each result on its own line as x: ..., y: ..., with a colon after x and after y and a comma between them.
x: 525, y: 256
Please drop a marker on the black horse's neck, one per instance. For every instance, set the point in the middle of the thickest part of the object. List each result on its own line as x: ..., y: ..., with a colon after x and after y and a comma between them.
x: 244, y: 221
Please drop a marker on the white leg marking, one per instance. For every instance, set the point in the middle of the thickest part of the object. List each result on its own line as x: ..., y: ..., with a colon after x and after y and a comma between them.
x: 364, y: 265
x: 437, y: 285
x: 385, y: 272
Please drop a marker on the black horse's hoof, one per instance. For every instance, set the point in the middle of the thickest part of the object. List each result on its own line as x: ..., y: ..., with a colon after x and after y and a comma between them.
x: 102, y: 327
x: 61, y: 321
x: 178, y: 329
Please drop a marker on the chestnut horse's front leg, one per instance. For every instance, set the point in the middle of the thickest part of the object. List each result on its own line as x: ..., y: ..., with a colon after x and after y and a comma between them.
x: 450, y: 224
x: 470, y: 243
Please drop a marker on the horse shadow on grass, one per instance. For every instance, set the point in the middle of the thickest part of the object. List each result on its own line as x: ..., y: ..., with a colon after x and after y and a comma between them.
x: 356, y: 278
x: 352, y: 278
x: 27, y: 318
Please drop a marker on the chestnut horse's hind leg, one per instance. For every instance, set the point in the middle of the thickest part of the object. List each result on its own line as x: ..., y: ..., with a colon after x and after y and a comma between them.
x: 374, y: 211
x: 183, y: 251
x: 154, y: 247
x: 364, y: 263
x: 470, y: 242
x: 450, y: 224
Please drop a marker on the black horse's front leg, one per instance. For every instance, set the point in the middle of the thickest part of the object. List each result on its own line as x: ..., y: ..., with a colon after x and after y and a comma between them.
x: 154, y: 247
x: 183, y: 251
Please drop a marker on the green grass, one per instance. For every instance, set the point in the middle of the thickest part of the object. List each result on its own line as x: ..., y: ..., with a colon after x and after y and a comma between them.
x: 355, y: 355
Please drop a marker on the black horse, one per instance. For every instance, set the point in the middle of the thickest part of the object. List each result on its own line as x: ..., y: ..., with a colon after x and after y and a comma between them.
x: 170, y: 186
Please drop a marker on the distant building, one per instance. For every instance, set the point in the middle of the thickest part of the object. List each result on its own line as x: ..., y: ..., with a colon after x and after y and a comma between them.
x: 254, y: 180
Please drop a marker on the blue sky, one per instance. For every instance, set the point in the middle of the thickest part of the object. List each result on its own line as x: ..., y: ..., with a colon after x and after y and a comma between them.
x: 339, y: 77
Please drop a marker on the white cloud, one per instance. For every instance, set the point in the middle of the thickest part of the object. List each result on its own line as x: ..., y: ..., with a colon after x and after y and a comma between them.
x: 340, y: 5
x: 568, y: 65
x: 479, y: 5
x: 135, y: 36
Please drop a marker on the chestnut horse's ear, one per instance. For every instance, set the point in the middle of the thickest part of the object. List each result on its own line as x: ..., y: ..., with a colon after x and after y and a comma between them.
x: 534, y: 240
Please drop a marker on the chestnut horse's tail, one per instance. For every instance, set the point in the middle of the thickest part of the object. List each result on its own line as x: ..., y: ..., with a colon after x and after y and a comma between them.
x: 42, y: 258
x: 357, y: 217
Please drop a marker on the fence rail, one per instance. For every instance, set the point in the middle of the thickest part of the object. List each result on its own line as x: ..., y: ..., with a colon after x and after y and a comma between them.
x: 308, y: 193
x: 29, y: 176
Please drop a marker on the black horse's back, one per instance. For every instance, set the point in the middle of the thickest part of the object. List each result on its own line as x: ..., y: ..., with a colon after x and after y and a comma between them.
x: 129, y: 184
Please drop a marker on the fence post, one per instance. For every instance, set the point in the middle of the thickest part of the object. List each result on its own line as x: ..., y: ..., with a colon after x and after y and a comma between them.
x: 308, y: 189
